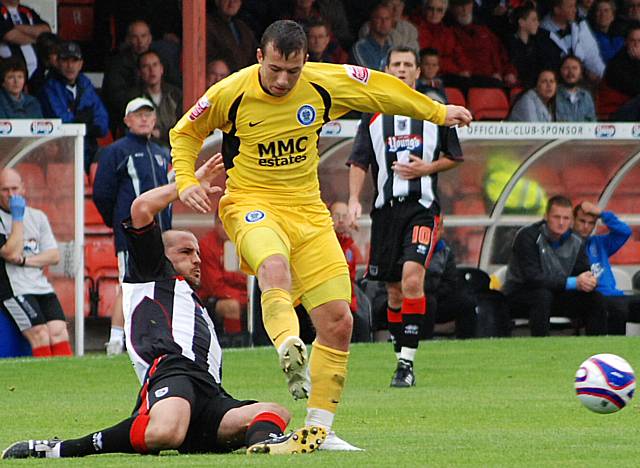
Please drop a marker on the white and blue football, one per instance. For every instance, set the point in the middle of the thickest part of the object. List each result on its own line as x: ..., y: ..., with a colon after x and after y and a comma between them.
x: 605, y: 383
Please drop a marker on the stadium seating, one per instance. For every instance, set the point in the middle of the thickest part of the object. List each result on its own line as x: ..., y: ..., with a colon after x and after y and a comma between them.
x: 608, y: 101
x: 455, y: 96
x: 93, y: 223
x: 100, y: 257
x: 75, y: 20
x: 488, y: 103
x: 583, y: 180
x: 514, y: 93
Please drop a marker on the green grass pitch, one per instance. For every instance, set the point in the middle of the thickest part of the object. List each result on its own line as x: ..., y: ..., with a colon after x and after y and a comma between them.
x: 488, y: 403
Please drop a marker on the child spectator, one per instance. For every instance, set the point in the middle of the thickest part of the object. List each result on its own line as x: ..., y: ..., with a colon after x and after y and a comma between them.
x: 530, y: 48
x: 430, y: 82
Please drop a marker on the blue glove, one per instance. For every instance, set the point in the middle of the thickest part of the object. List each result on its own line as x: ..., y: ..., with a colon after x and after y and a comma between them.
x: 17, y: 205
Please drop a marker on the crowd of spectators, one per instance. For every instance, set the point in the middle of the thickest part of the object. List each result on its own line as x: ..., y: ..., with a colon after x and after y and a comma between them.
x: 592, y: 49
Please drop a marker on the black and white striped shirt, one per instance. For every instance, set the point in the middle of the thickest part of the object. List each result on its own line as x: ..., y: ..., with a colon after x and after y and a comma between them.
x: 383, y: 139
x: 163, y: 315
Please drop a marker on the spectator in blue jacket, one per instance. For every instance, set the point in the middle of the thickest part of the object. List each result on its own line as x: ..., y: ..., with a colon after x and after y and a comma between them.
x: 14, y: 102
x: 127, y: 168
x: 69, y: 95
x: 599, y: 248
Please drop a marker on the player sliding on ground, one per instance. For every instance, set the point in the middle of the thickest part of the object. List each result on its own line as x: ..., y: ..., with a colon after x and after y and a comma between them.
x: 271, y: 115
x: 181, y: 404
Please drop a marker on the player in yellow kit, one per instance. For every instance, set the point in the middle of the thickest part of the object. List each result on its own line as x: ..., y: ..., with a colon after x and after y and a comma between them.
x: 271, y: 115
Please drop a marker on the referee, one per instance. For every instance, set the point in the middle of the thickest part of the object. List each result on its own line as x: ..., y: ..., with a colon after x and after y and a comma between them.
x: 404, y: 155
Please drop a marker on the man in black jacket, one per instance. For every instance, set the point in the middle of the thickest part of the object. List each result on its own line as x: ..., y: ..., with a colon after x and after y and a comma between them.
x: 446, y: 299
x: 549, y: 271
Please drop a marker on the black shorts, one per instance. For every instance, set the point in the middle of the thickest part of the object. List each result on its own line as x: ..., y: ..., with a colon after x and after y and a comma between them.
x: 403, y: 230
x: 176, y: 376
x: 33, y: 309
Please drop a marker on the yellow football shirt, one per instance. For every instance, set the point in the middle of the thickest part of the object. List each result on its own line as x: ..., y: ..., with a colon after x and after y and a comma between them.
x: 270, y: 143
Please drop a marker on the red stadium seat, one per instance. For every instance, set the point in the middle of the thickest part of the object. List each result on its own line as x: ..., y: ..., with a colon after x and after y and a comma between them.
x: 107, y: 292
x: 100, y: 257
x: 469, y: 205
x: 514, y: 94
x: 105, y: 140
x: 93, y: 223
x: 75, y: 20
x: 60, y: 179
x: 608, y: 101
x: 548, y: 177
x: 65, y: 290
x: 488, y: 103
x: 455, y: 96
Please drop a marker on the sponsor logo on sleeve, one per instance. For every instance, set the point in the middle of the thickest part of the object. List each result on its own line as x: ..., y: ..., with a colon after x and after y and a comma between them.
x: 201, y: 106
x: 357, y: 73
x: 306, y: 114
x: 254, y: 216
x: 332, y: 128
x: 605, y: 130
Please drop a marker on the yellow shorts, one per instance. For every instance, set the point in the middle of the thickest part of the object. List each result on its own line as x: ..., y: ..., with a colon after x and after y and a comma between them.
x: 303, y: 234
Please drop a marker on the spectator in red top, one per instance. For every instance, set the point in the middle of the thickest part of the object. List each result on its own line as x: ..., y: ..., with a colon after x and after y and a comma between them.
x: 227, y: 290
x: 340, y: 215
x: 490, y: 66
x: 433, y: 33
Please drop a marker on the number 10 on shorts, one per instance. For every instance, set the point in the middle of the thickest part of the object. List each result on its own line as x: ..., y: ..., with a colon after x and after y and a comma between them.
x: 421, y: 235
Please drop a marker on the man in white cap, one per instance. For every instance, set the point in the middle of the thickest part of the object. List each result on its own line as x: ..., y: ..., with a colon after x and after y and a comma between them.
x: 128, y: 167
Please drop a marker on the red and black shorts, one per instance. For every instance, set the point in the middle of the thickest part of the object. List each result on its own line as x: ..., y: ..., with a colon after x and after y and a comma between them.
x: 174, y: 376
x: 402, y: 230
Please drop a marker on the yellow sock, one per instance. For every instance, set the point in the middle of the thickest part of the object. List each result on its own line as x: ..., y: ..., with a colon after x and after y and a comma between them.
x: 328, y: 368
x: 279, y: 319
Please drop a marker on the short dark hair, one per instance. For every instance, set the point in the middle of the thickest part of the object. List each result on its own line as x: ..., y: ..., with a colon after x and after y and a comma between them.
x: 318, y: 23
x: 402, y: 49
x: 13, y: 64
x: 429, y: 52
x: 522, y: 12
x: 286, y: 37
x: 148, y: 52
x: 558, y: 200
x: 633, y: 26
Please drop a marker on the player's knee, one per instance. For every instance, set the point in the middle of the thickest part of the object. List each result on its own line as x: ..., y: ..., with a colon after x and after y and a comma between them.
x: 274, y: 273
x: 167, y: 435
x: 57, y: 331
x: 412, y: 286
x: 394, y: 294
x: 38, y: 336
x: 341, y: 325
x: 279, y: 410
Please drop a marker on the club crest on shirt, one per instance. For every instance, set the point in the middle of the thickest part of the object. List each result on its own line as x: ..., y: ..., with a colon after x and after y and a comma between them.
x: 306, y: 114
x: 201, y: 106
x: 254, y: 216
x: 360, y: 74
x: 161, y: 392
x: 159, y: 159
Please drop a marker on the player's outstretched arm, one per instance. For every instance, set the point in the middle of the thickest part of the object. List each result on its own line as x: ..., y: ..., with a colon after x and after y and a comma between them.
x: 149, y: 204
